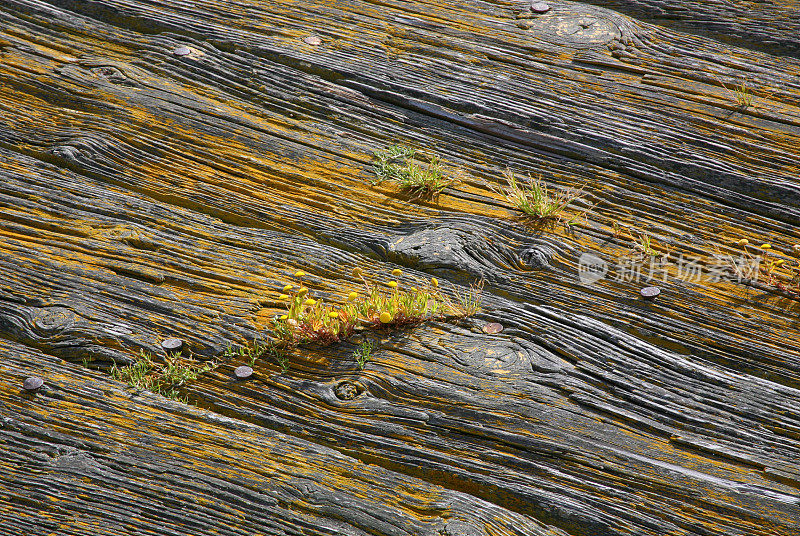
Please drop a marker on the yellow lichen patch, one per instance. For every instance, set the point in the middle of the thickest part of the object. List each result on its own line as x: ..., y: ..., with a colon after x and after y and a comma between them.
x: 263, y: 318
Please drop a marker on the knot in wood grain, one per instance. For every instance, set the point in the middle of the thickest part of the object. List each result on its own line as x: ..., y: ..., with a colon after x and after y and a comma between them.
x: 128, y: 234
x: 347, y: 390
x: 457, y: 527
x: 110, y: 73
x: 100, y: 71
x: 67, y: 152
x: 537, y: 257
x: 50, y: 321
x: 498, y: 355
x: 455, y: 245
x: 576, y: 26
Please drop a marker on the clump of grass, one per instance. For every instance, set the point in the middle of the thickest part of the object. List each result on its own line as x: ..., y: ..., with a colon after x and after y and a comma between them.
x: 390, y: 306
x: 765, y: 266
x: 248, y: 352
x: 363, y: 353
x: 162, y: 378
x: 537, y: 202
x: 256, y: 350
x: 644, y: 246
x: 742, y: 93
x: 420, y: 175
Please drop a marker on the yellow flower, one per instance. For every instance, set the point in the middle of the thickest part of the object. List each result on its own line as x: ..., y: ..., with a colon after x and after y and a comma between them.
x: 284, y: 317
x: 743, y: 242
x: 302, y: 292
x: 779, y: 262
x: 386, y: 317
x: 766, y: 246
x: 333, y: 314
x: 283, y: 297
x: 397, y: 272
x: 287, y: 288
x: 414, y: 289
x: 352, y: 296
x: 434, y: 282
x: 299, y: 273
x: 392, y: 284
x: 309, y: 302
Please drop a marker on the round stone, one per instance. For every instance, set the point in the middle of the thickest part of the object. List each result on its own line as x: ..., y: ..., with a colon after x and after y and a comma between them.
x: 172, y: 345
x: 649, y: 293
x: 346, y: 391
x: 540, y: 7
x: 182, y: 51
x: 32, y: 383
x: 312, y: 40
x: 243, y: 372
x: 492, y: 327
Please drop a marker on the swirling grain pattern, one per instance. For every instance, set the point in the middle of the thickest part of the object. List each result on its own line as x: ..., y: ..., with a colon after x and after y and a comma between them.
x: 165, y: 167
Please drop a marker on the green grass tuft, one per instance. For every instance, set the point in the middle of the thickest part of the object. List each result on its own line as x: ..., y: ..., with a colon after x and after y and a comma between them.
x: 537, y: 202
x: 363, y: 353
x: 164, y: 378
x: 420, y: 175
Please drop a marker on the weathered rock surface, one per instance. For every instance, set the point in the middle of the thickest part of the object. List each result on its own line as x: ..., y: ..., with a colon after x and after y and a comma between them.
x: 147, y: 193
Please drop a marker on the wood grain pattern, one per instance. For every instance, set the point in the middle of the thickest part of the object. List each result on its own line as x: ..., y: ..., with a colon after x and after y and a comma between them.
x: 146, y: 195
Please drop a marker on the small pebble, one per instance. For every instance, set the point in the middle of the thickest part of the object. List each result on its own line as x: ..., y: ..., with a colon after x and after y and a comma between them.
x: 32, y: 383
x: 312, y: 40
x: 540, y: 7
x: 492, y: 327
x: 649, y: 293
x: 182, y: 51
x: 243, y: 372
x: 172, y: 345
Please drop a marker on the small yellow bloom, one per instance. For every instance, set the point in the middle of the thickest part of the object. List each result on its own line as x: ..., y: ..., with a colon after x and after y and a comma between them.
x: 392, y: 284
x: 414, y: 289
x: 302, y: 292
x: 743, y: 242
x: 778, y: 262
x: 397, y: 272
x: 309, y: 301
x: 766, y: 246
x: 283, y: 297
x: 352, y: 296
x: 299, y: 273
x: 333, y: 314
x: 284, y: 317
x: 287, y: 288
x: 434, y: 282
x: 386, y: 317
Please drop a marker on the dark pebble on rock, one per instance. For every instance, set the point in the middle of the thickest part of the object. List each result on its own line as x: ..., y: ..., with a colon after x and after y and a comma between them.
x: 172, y: 345
x: 649, y: 293
x: 243, y: 372
x: 540, y: 7
x: 32, y: 383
